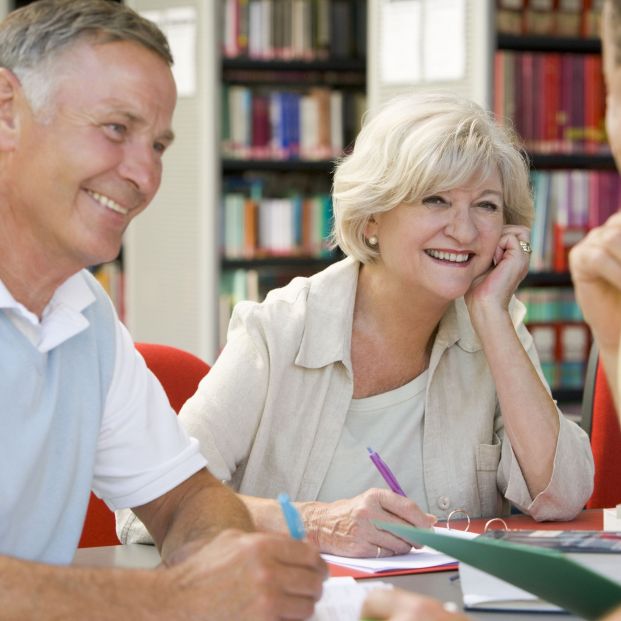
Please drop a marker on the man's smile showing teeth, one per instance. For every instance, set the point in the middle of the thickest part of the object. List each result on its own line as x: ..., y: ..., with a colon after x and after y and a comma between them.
x: 108, y: 202
x: 451, y: 257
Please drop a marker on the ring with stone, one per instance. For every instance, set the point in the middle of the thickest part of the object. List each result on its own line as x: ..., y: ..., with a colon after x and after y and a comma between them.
x: 525, y: 246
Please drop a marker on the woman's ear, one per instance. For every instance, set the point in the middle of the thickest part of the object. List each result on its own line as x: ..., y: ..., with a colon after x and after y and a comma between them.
x: 9, y: 87
x: 371, y: 227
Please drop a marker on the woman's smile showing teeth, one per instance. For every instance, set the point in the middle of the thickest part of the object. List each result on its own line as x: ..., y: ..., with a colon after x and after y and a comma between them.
x: 450, y: 257
x: 108, y: 202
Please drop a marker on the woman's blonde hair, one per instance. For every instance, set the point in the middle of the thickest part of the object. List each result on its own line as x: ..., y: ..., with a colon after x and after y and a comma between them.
x: 416, y: 145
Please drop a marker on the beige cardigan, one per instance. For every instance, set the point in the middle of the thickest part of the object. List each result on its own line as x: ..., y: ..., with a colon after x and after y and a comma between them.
x: 269, y: 414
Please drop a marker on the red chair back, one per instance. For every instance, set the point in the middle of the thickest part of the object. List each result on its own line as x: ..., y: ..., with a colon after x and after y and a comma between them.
x: 179, y: 372
x: 605, y: 434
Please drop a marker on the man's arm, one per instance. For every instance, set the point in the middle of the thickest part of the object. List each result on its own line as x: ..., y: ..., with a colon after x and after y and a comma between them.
x: 237, y: 576
x: 194, y: 511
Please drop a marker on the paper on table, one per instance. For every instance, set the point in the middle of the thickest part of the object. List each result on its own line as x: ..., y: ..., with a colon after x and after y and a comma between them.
x: 422, y: 558
x: 342, y: 599
x: 482, y: 591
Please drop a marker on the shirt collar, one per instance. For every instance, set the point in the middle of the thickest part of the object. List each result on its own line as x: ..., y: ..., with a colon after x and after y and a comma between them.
x: 61, y: 319
x: 329, y: 315
x: 330, y: 309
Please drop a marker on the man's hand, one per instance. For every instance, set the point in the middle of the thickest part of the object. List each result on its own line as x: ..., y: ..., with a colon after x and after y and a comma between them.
x: 259, y: 576
x: 595, y: 265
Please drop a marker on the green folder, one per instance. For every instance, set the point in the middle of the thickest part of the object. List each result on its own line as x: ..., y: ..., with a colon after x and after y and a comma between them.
x: 546, y: 573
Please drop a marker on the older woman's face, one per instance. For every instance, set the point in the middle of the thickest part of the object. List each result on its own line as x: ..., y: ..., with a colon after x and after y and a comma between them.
x: 440, y: 244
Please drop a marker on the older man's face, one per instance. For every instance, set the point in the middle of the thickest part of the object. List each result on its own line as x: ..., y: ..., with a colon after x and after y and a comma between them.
x: 84, y: 169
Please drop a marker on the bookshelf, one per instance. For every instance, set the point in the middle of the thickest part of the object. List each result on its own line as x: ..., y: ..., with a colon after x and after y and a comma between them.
x: 551, y: 87
x: 293, y: 80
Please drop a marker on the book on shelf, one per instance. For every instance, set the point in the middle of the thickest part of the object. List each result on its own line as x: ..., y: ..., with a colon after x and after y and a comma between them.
x: 556, y: 100
x: 567, y: 204
x: 555, y: 18
x: 257, y: 225
x: 509, y: 16
x: 540, y: 17
x: 312, y: 123
x: 294, y: 29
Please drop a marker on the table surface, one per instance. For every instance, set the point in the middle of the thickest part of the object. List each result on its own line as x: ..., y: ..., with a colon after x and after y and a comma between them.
x: 441, y: 585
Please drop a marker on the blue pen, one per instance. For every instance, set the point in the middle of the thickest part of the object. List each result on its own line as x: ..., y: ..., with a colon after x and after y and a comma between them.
x: 292, y: 517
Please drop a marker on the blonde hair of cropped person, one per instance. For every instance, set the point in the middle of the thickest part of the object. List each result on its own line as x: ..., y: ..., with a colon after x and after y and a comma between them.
x: 33, y: 37
x: 416, y: 145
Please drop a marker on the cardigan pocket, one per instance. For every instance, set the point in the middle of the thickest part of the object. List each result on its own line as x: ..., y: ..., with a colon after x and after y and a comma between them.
x: 488, y: 459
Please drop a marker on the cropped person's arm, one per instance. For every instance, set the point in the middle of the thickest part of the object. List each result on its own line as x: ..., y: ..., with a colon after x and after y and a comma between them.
x: 595, y: 265
x: 398, y: 605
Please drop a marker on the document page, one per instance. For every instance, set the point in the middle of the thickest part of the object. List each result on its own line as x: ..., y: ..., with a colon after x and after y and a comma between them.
x: 343, y: 597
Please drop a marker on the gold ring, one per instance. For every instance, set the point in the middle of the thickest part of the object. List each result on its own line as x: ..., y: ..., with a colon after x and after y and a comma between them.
x: 525, y: 247
x: 379, y: 552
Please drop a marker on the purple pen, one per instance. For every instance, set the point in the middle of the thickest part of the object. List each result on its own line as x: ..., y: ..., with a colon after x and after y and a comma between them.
x: 386, y: 472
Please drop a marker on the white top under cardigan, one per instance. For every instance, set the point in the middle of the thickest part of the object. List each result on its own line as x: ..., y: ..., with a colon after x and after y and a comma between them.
x: 269, y: 414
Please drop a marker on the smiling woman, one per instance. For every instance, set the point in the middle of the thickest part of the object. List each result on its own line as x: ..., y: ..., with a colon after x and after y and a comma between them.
x: 414, y: 345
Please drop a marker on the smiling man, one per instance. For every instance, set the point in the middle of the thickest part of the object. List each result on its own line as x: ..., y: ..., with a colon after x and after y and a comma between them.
x: 86, y: 103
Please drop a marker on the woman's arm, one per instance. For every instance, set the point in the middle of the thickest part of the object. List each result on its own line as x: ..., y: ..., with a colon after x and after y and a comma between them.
x: 529, y: 414
x: 345, y: 527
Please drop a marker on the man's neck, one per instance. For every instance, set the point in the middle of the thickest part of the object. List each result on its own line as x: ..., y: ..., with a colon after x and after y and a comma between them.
x: 31, y: 280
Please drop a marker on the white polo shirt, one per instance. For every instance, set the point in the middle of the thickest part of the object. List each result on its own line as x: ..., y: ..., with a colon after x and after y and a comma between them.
x: 142, y: 452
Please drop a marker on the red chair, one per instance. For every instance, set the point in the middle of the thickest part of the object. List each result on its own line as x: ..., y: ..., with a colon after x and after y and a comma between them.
x: 179, y: 372
x: 600, y: 421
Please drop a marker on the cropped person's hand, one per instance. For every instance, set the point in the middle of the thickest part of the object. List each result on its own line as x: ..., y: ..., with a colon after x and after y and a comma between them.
x: 259, y: 576
x: 345, y: 527
x: 615, y: 615
x: 595, y: 265
x: 398, y: 605
x: 496, y: 286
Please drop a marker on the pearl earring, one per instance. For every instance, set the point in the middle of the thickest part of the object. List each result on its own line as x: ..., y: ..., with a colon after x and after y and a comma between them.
x: 373, y: 241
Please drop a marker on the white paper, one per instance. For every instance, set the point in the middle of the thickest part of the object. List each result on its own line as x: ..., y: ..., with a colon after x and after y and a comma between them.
x: 400, y: 37
x: 482, y: 590
x: 444, y: 40
x: 179, y: 26
x: 342, y: 599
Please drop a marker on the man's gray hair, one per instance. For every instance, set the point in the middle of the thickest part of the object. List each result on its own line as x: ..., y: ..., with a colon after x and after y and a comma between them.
x: 32, y: 37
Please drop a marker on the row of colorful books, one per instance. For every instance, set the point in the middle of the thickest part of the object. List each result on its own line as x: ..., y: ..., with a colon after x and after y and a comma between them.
x: 562, y: 18
x: 563, y: 350
x: 250, y: 284
x: 568, y: 203
x: 550, y: 304
x: 556, y: 101
x: 294, y: 29
x: 293, y: 226
x: 313, y: 124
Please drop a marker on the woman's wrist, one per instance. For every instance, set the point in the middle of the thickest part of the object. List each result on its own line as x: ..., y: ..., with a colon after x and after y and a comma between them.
x: 312, y: 515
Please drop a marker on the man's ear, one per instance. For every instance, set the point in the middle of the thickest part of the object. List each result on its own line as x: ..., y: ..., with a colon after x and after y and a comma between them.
x: 9, y: 94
